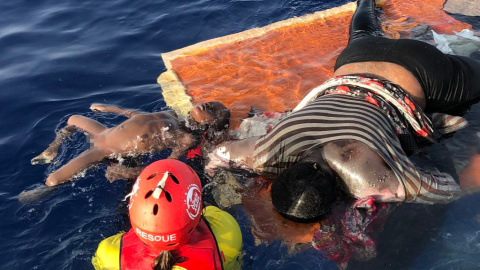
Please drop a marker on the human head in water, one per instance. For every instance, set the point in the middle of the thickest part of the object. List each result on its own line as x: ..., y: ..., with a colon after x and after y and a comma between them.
x: 304, y: 192
x: 165, y: 208
x: 212, y: 115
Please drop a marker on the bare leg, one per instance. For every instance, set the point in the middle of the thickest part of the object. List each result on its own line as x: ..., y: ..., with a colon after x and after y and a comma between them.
x: 470, y: 176
x: 35, y: 194
x: 75, y: 122
x: 51, y: 152
x: 97, y: 107
x: 86, y: 124
x: 77, y: 164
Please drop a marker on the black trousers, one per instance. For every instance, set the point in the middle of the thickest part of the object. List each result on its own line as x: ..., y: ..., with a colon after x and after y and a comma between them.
x: 448, y: 81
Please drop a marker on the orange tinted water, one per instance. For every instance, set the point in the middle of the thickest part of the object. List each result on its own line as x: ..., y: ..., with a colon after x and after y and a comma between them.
x: 275, y: 70
x: 425, y: 11
x: 272, y: 72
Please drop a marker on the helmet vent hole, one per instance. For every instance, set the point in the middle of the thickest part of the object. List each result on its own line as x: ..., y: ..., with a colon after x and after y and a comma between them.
x: 168, y: 196
x: 175, y: 179
x: 155, y: 209
x: 152, y: 176
x: 190, y: 231
x: 171, y: 244
x: 149, y: 193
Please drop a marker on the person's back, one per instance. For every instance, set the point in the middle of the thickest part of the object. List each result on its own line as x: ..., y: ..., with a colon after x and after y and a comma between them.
x: 170, y: 230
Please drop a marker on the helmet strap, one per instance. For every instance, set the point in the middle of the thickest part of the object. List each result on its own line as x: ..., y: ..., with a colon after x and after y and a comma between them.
x: 161, y: 184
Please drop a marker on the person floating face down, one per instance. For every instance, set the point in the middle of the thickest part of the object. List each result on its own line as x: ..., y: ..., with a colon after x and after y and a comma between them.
x: 354, y: 132
x: 141, y: 133
x: 170, y: 229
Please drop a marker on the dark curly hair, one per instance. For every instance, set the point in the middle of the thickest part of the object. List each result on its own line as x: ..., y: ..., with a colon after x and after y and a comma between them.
x: 304, y: 192
x: 221, y: 125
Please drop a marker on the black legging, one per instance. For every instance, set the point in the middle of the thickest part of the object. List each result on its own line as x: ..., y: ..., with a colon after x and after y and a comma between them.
x: 364, y: 21
x: 447, y: 80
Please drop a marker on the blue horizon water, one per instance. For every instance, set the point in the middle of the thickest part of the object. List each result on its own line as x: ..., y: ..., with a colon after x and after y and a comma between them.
x: 59, y: 57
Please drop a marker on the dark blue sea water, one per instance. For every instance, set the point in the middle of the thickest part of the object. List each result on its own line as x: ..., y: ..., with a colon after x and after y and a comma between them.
x: 58, y: 57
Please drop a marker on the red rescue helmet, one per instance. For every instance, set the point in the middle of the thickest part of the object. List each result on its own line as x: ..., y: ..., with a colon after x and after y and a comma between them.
x: 165, y: 204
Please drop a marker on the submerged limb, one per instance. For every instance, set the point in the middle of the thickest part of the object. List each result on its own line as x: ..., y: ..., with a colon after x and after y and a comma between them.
x: 51, y: 152
x: 86, y: 124
x: 77, y: 164
x: 97, y: 107
x: 74, y: 123
x: 470, y: 176
x: 28, y: 196
x: 117, y: 172
x: 184, y: 142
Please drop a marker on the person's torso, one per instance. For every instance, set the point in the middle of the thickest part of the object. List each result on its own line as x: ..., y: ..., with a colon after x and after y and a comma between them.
x: 141, y: 133
x: 331, y: 118
x: 433, y: 69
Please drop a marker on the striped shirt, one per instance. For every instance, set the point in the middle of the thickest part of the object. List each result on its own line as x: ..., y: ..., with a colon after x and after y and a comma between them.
x: 341, y: 117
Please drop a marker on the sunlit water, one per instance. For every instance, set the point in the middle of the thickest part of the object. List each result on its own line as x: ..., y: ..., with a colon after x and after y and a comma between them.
x: 59, y: 57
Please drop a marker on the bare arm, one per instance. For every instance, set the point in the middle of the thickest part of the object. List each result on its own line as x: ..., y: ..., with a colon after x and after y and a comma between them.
x: 363, y: 171
x: 77, y: 164
x: 97, y: 107
x: 238, y: 154
x: 470, y: 176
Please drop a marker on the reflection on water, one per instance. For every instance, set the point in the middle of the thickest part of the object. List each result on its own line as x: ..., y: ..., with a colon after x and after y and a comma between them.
x: 59, y: 57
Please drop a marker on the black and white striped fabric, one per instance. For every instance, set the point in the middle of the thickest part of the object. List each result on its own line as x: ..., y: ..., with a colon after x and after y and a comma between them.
x: 336, y: 117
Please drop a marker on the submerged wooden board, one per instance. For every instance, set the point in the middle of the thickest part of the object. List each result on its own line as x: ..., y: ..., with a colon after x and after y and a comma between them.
x: 464, y: 7
x: 273, y: 67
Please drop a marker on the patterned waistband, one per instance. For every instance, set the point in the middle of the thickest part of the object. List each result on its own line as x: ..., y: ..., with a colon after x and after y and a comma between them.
x: 387, y: 96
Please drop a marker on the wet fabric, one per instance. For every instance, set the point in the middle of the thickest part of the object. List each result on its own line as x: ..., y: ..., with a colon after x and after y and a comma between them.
x: 349, y: 233
x: 447, y: 80
x: 408, y: 119
x: 324, y: 117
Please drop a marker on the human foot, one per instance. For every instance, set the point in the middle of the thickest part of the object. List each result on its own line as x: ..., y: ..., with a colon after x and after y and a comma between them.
x: 97, y: 107
x: 44, y: 158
